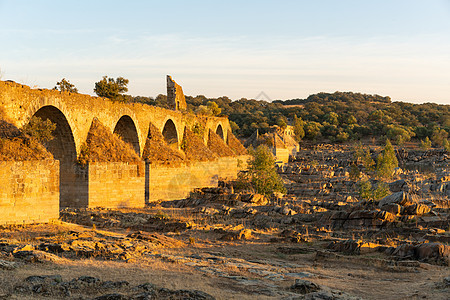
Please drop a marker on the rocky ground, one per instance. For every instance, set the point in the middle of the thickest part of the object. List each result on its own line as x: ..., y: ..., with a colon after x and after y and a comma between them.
x: 319, y: 241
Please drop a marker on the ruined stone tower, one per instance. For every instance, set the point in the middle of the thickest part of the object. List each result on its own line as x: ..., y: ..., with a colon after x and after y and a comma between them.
x: 175, y: 96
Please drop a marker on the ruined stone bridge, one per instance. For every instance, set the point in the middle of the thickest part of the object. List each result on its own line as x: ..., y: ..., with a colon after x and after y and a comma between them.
x: 74, y: 114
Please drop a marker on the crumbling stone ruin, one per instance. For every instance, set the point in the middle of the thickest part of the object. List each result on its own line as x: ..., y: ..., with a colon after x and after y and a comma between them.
x: 175, y: 96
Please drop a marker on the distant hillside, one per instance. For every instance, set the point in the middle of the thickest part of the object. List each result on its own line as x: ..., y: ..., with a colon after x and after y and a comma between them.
x: 339, y: 116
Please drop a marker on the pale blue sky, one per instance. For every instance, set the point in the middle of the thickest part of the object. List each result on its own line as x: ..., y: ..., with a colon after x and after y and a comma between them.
x: 288, y: 49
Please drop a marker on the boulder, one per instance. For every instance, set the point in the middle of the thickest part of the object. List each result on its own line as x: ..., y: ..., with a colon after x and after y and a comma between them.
x: 434, y: 252
x: 404, y: 251
x: 347, y: 246
x: 257, y: 199
x: 416, y: 209
x: 302, y: 286
x: 392, y: 208
x: 401, y: 198
x: 399, y: 185
x: 7, y: 265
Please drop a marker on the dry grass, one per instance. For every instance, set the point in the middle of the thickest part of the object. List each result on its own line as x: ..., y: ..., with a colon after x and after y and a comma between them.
x: 17, y: 146
x: 289, y: 141
x: 268, y: 139
x: 194, y: 148
x: 218, y: 146
x: 157, y: 150
x: 102, y: 145
x: 235, y: 144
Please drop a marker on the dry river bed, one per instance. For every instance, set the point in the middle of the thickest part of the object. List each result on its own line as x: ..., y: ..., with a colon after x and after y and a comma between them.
x: 197, y: 259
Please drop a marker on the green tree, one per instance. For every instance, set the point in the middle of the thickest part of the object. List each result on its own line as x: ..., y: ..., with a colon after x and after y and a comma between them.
x: 386, y: 161
x: 368, y: 192
x: 399, y: 134
x: 363, y: 156
x: 381, y: 191
x: 439, y: 135
x: 446, y: 145
x: 261, y: 172
x: 234, y: 127
x: 425, y: 144
x: 342, y: 136
x: 281, y: 121
x: 214, y: 109
x: 39, y: 129
x: 332, y: 118
x: 365, y: 190
x: 65, y: 86
x: 367, y: 161
x: 112, y: 88
x: 312, y: 130
x: 299, y: 132
x: 354, y: 173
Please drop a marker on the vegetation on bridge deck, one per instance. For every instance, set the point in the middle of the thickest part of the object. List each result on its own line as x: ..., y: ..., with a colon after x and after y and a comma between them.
x: 194, y: 148
x: 218, y: 146
x: 17, y: 145
x: 157, y: 150
x: 102, y: 145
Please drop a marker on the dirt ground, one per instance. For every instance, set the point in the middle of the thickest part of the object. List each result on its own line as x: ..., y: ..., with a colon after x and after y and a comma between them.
x: 321, y: 240
x: 253, y: 268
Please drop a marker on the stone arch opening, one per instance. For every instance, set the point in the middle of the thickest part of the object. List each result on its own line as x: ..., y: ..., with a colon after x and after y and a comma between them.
x: 63, y: 148
x: 126, y: 129
x: 219, y: 131
x: 170, y: 133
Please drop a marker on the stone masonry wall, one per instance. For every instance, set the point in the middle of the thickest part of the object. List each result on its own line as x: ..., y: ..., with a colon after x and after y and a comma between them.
x: 176, y: 182
x: 115, y: 185
x: 29, y: 191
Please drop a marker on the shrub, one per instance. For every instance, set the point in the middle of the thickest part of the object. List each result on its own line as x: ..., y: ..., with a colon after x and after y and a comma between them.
x: 261, y: 174
x: 365, y: 190
x: 39, y: 129
x: 386, y: 161
x: 368, y: 192
x: 425, y: 144
x: 381, y: 191
x: 446, y: 145
x: 354, y: 173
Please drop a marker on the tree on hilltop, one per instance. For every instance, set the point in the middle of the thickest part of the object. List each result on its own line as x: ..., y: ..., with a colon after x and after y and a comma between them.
x: 65, y: 86
x: 112, y: 88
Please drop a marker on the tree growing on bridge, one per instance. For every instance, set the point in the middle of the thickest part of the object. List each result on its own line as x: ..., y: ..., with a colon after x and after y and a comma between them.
x: 41, y: 130
x: 65, y: 86
x: 112, y: 88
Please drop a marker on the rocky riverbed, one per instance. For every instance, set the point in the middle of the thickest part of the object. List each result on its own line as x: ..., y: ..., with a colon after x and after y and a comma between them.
x: 318, y: 241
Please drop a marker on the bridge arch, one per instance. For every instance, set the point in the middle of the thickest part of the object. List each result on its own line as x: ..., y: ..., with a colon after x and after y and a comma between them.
x: 127, y: 130
x: 64, y: 149
x: 219, y: 131
x: 62, y: 146
x: 170, y: 133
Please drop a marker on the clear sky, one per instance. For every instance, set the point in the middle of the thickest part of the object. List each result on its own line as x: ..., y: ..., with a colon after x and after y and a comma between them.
x: 288, y: 49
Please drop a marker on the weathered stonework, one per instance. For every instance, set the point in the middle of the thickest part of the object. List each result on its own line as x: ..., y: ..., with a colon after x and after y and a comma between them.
x: 77, y: 111
x: 176, y: 182
x: 175, y: 95
x: 115, y: 185
x: 29, y: 191
x: 74, y: 114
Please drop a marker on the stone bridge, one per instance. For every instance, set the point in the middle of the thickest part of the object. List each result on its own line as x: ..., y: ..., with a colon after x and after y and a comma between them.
x: 73, y: 115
